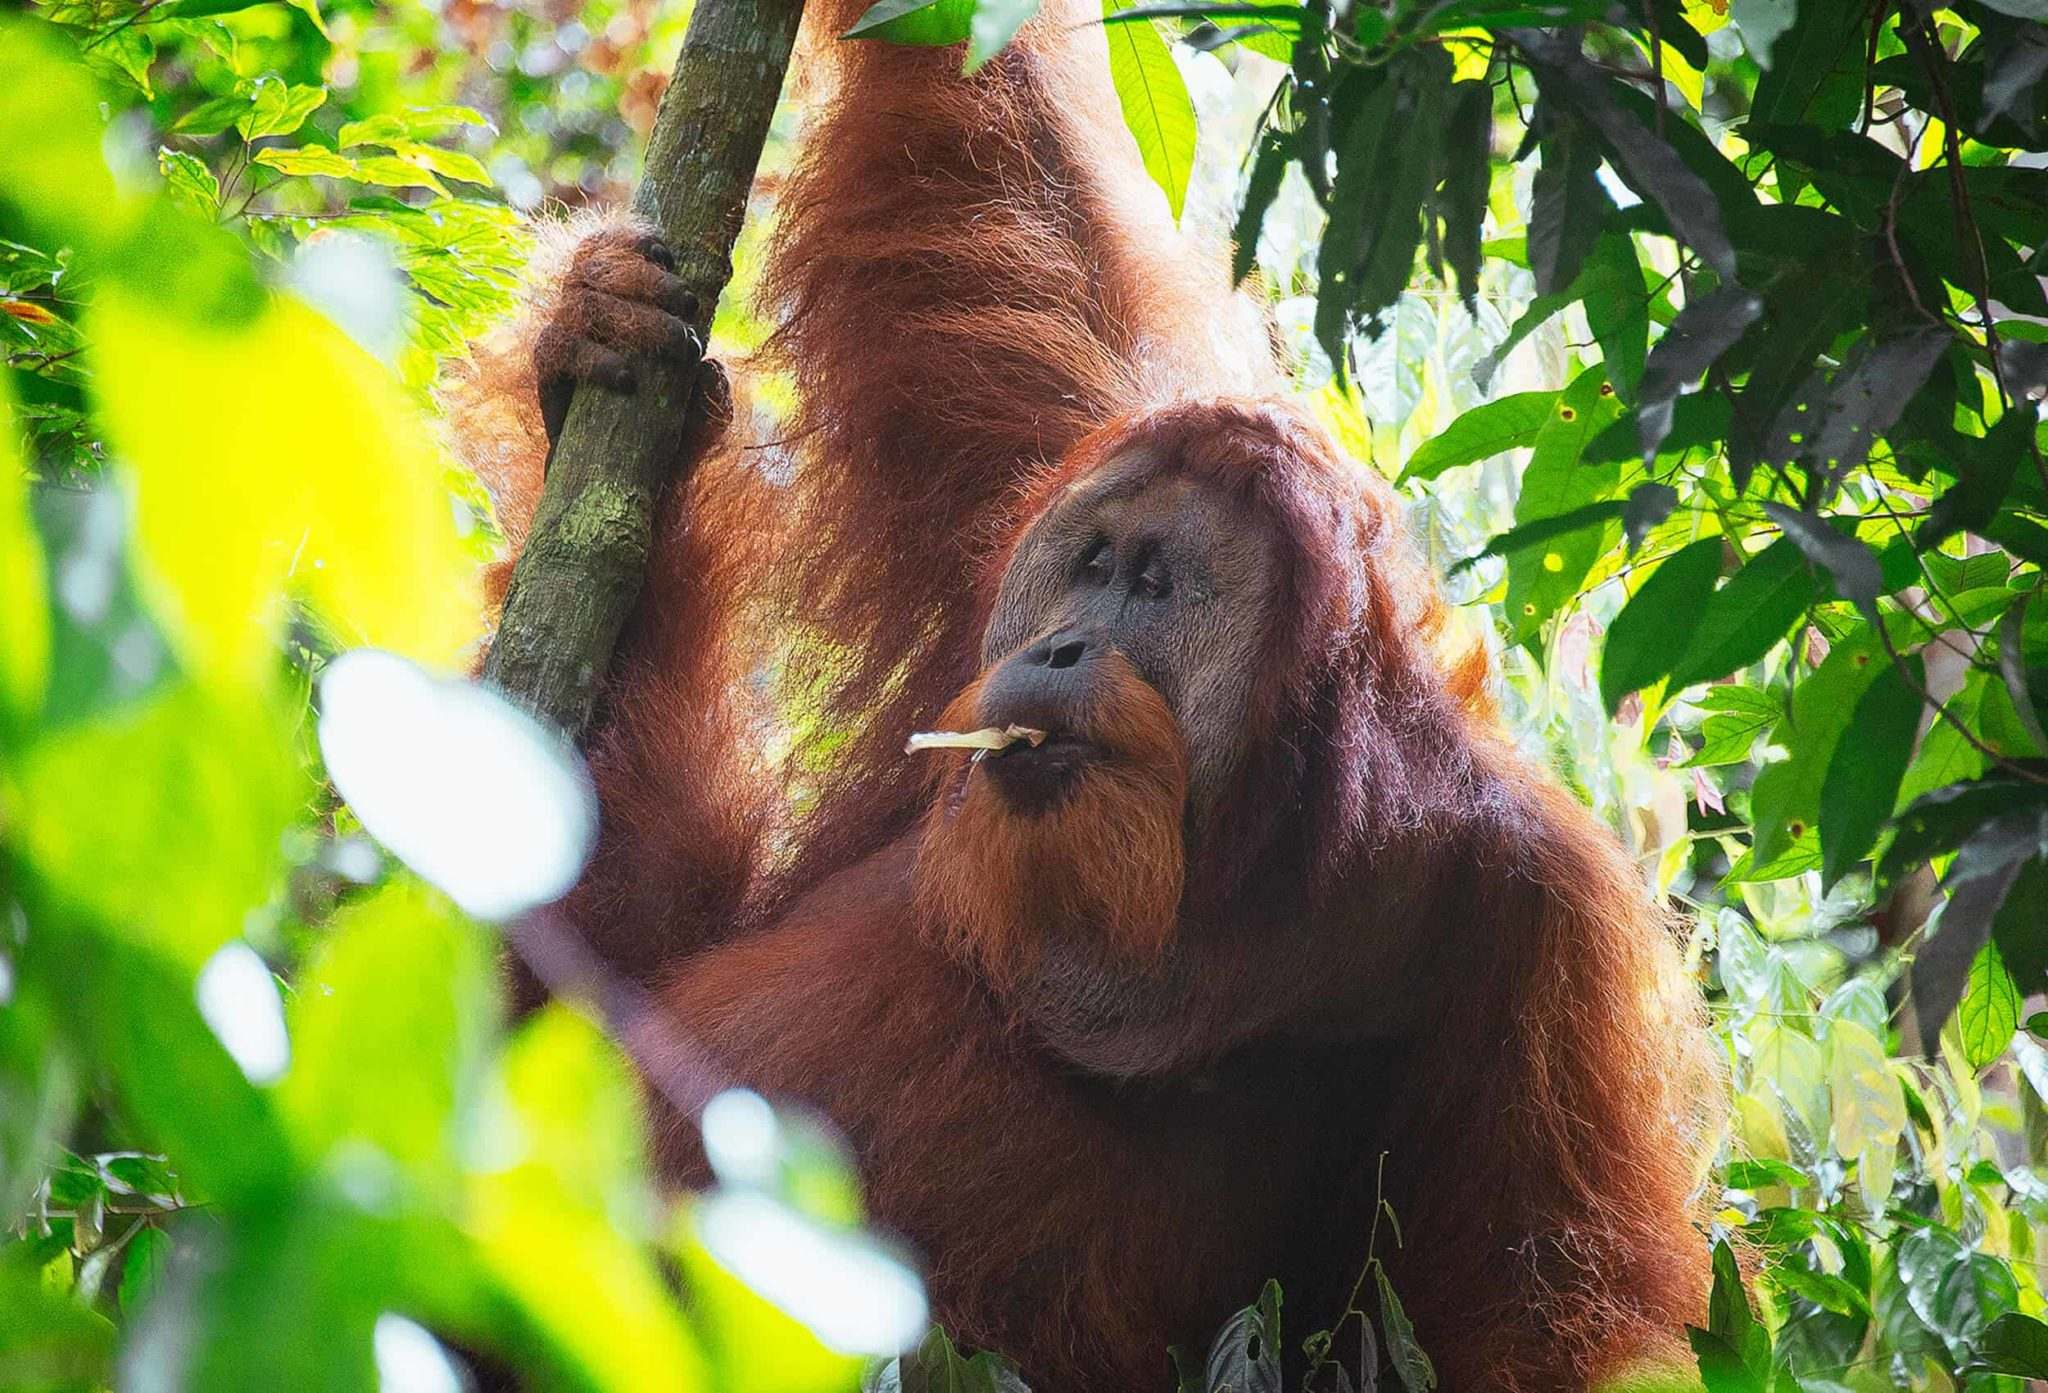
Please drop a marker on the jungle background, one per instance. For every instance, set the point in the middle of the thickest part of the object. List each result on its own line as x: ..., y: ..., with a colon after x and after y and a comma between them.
x: 1704, y: 338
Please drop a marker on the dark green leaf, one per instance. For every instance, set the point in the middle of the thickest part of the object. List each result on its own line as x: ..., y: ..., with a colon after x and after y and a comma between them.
x: 1846, y: 558
x: 1816, y: 68
x: 2013, y: 1344
x: 1864, y: 771
x: 1568, y: 204
x: 1275, y: 153
x: 1245, y: 1356
x: 1645, y: 161
x: 1984, y: 871
x: 1410, y: 1363
x: 1740, y: 621
x: 1985, y: 469
x: 1721, y: 1368
x: 1468, y: 170
x: 1703, y: 331
x: 1699, y: 421
x: 1515, y: 540
x: 1647, y: 507
x: 1651, y: 631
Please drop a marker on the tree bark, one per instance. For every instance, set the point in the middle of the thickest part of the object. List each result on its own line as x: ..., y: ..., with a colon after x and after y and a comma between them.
x: 586, y: 557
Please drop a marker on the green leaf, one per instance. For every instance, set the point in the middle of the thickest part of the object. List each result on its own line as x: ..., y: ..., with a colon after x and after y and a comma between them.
x: 311, y: 10
x: 413, y: 123
x: 48, y: 1340
x: 1989, y: 1014
x: 2013, y: 1344
x: 308, y: 160
x: 1814, y: 72
x: 128, y: 52
x: 1728, y: 1315
x: 1245, y: 1355
x: 401, y: 991
x: 24, y: 603
x: 1740, y: 621
x: 1721, y: 1368
x: 1955, y: 1291
x: 394, y: 173
x: 164, y: 818
x: 918, y: 23
x: 278, y: 108
x: 1506, y: 423
x: 1617, y: 309
x: 212, y: 117
x: 1269, y: 166
x: 1155, y: 103
x: 1650, y: 633
x: 1410, y: 1363
x: 189, y: 179
x: 1864, y: 772
x: 994, y: 24
x: 142, y: 1268
x: 1568, y: 205
x: 1555, y: 483
x: 1739, y: 716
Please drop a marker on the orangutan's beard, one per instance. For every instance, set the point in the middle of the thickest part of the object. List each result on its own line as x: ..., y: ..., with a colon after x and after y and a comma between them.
x: 1094, y: 879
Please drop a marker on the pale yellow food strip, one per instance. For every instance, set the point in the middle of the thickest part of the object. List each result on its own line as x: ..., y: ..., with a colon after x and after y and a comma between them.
x: 987, y: 738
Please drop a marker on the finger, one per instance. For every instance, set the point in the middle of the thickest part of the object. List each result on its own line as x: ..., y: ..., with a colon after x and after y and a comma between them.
x: 584, y: 360
x: 634, y: 277
x: 631, y: 326
x: 652, y: 248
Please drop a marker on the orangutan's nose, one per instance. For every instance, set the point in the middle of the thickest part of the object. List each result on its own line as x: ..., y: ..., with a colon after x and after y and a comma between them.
x: 1060, y: 651
x: 1046, y: 683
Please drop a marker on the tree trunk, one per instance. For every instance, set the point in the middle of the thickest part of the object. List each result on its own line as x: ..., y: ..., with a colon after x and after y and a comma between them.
x: 586, y: 556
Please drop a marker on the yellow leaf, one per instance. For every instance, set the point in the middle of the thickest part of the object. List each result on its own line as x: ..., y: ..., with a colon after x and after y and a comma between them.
x: 1870, y: 1107
x: 275, y: 456
x: 553, y: 1225
x: 24, y: 608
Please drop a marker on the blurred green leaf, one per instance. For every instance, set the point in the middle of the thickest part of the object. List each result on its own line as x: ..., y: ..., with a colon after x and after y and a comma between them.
x: 401, y: 991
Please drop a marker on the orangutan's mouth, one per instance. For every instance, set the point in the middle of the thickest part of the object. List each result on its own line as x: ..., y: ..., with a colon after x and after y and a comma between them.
x: 1054, y: 746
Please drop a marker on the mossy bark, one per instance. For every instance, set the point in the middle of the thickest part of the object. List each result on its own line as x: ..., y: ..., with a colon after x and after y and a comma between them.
x: 586, y: 557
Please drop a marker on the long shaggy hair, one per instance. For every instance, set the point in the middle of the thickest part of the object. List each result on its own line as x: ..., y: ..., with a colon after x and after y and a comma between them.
x: 979, y: 297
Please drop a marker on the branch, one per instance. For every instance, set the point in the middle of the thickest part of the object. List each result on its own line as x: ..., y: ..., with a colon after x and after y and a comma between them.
x: 586, y: 557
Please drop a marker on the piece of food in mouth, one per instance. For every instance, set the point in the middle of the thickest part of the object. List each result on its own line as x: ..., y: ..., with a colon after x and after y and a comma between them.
x: 981, y: 741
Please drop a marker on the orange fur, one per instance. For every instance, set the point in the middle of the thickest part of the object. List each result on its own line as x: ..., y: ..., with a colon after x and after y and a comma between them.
x: 980, y: 299
x: 992, y: 886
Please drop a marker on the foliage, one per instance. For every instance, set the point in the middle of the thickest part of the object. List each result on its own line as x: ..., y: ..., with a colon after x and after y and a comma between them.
x: 1705, y: 342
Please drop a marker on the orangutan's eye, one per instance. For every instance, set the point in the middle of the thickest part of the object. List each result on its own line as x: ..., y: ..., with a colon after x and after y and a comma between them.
x: 1153, y: 582
x: 1096, y: 562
